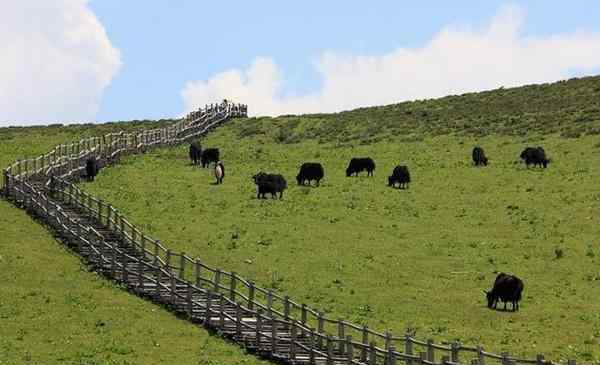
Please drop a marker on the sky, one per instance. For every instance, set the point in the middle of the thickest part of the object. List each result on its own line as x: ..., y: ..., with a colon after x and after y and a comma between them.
x: 80, y: 61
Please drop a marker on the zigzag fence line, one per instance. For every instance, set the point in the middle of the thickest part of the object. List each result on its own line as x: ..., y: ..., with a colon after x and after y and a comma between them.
x: 259, y: 319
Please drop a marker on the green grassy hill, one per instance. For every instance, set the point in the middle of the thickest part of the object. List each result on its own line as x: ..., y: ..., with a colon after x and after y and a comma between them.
x: 403, y: 259
x: 392, y: 259
x: 53, y: 311
x: 567, y: 108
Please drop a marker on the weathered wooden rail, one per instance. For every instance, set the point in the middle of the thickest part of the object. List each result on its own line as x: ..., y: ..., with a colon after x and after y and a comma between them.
x: 259, y: 319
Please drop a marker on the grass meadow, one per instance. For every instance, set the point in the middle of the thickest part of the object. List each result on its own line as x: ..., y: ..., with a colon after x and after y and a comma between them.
x: 416, y: 259
x: 54, y: 311
x: 394, y: 259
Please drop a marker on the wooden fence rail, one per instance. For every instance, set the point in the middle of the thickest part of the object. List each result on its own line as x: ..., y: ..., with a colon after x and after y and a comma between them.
x: 259, y: 319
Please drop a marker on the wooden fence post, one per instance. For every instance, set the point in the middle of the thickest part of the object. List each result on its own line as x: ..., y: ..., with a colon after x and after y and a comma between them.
x: 504, y: 358
x: 329, y: 350
x: 540, y: 359
x: 208, y: 314
x: 173, y: 285
x: 238, y: 321
x: 182, y: 266
x: 392, y: 356
x: 273, y: 334
x: 140, y: 275
x: 365, y: 344
x: 168, y: 261
x: 113, y: 262
x: 303, y: 314
x: 320, y: 326
x: 408, y: 348
x: 190, y: 303
x: 341, y: 335
x: 251, y: 295
x: 134, y: 237
x: 422, y: 357
x: 372, y: 354
x: 156, y: 253
x: 143, y: 245
x: 311, y: 344
x: 232, y: 286
x: 124, y: 274
x: 430, y: 351
x: 455, y: 346
x: 221, y: 311
x: 198, y: 274
x: 270, y: 302
x: 388, y: 340
x: 349, y: 350
x: 286, y: 308
x: 122, y: 226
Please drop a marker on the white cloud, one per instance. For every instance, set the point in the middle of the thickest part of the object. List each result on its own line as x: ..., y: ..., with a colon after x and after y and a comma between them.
x: 56, y: 61
x: 455, y: 60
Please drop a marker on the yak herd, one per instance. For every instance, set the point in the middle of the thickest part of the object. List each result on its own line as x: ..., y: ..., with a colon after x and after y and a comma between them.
x: 506, y: 288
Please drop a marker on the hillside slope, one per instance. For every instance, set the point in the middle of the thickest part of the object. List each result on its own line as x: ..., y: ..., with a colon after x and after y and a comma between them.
x: 392, y: 259
x: 567, y: 108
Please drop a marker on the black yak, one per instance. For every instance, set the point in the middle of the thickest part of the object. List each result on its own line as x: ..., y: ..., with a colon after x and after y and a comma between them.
x: 310, y: 171
x: 479, y: 157
x: 219, y: 172
x: 360, y: 164
x: 195, y: 153
x: 535, y: 156
x: 269, y: 183
x: 507, y: 288
x: 400, y: 176
x: 209, y: 155
x: 91, y: 168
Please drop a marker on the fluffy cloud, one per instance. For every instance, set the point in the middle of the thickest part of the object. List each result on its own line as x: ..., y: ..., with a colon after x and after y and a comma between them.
x: 455, y: 60
x: 56, y: 61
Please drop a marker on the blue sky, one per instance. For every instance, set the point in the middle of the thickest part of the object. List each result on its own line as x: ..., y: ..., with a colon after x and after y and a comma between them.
x: 164, y: 57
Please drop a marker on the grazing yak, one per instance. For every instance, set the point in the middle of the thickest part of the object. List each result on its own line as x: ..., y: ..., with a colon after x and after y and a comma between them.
x: 479, y: 156
x: 195, y: 153
x: 507, y: 288
x: 269, y: 183
x: 360, y: 164
x: 535, y: 156
x: 310, y: 171
x: 91, y: 168
x: 209, y: 155
x: 400, y: 176
x: 219, y: 172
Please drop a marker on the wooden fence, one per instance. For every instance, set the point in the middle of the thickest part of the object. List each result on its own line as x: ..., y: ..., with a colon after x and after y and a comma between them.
x: 259, y: 319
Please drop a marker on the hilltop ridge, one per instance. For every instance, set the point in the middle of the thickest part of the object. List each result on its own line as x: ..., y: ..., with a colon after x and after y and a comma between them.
x: 570, y: 108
